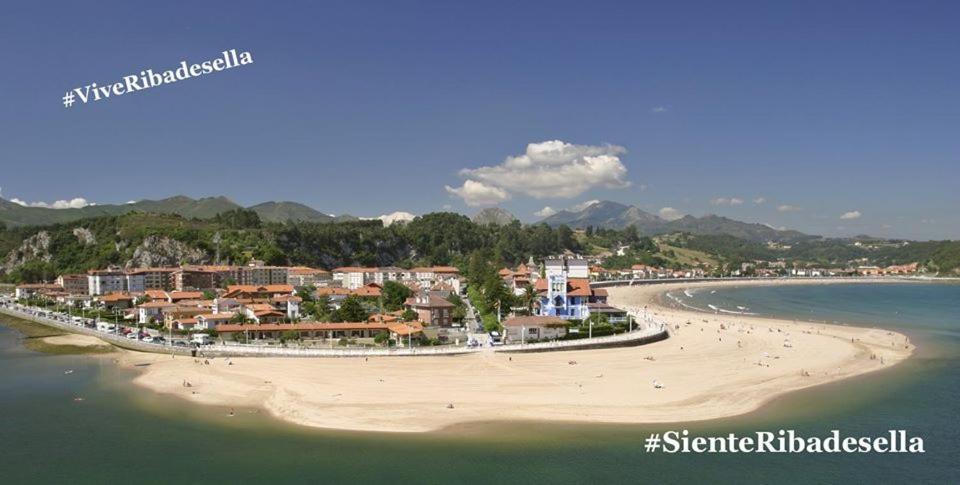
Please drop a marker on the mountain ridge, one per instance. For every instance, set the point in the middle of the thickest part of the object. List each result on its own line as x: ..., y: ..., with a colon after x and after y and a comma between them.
x: 614, y: 215
x: 602, y: 214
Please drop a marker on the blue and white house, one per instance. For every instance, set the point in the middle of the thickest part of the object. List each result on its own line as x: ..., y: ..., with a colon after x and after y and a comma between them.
x: 565, y: 292
x: 565, y: 288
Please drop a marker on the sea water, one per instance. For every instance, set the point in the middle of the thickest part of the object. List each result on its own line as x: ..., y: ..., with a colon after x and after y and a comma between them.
x: 92, y: 426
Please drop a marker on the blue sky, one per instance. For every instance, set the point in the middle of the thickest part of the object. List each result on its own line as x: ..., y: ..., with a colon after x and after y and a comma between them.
x: 819, y: 109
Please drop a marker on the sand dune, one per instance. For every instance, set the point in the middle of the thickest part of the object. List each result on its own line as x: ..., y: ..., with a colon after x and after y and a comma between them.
x: 711, y: 367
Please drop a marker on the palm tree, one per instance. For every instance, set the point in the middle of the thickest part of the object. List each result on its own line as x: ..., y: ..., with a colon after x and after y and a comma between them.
x: 529, y: 297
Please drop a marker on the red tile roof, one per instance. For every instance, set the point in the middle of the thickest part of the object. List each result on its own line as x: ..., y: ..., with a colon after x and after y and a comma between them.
x: 303, y: 326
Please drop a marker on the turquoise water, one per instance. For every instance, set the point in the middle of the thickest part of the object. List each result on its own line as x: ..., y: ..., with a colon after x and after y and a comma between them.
x: 119, y: 433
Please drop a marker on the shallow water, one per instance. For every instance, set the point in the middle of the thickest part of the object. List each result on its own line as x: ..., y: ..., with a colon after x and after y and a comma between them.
x: 118, y: 432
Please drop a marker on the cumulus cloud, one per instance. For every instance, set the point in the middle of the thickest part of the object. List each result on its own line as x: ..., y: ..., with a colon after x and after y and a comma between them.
x: 477, y: 194
x: 787, y: 208
x: 550, y: 169
x: 545, y: 212
x: 75, y: 203
x: 670, y: 214
x: 398, y: 216
x: 727, y: 201
x: 759, y: 200
x: 851, y: 215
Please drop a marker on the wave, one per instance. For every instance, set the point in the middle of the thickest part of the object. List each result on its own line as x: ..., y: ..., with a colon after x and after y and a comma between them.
x: 732, y: 312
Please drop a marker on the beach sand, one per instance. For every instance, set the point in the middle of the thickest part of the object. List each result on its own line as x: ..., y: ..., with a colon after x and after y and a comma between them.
x: 75, y: 340
x: 711, y: 367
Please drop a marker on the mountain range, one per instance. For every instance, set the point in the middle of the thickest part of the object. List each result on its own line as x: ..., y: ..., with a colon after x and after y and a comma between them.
x: 613, y: 215
x: 604, y: 214
x: 13, y: 214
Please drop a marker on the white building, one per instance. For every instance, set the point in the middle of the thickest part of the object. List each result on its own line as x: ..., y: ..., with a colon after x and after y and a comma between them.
x: 102, y: 282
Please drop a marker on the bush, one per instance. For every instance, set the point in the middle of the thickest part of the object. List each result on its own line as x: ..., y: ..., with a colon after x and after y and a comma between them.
x: 490, y: 323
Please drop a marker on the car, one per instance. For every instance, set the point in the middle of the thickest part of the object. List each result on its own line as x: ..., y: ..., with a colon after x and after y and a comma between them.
x: 179, y: 343
x: 496, y: 338
x: 133, y: 336
x: 148, y: 339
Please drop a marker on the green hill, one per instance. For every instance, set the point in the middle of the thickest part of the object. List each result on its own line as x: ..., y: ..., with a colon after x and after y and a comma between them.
x: 289, y: 211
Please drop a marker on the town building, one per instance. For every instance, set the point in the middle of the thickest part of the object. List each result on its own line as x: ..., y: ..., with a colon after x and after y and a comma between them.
x: 36, y: 289
x: 353, y: 277
x: 104, y: 281
x: 256, y: 273
x: 300, y: 276
x: 565, y: 290
x: 205, y: 277
x: 141, y: 279
x: 431, y: 309
x: 74, y: 284
x: 532, y: 328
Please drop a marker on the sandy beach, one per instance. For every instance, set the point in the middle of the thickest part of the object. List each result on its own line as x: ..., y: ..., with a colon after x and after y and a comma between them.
x: 713, y: 366
x: 76, y: 340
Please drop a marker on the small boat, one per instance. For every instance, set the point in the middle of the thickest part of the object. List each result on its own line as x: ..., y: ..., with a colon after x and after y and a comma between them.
x: 68, y: 372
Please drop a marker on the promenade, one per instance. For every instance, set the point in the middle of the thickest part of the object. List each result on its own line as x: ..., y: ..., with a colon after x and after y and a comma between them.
x: 647, y: 330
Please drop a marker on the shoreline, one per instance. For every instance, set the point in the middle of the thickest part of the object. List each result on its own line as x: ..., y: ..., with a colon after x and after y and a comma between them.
x: 712, y: 366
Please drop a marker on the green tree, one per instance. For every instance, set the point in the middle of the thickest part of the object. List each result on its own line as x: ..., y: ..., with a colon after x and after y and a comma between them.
x: 351, y: 310
x: 394, y: 295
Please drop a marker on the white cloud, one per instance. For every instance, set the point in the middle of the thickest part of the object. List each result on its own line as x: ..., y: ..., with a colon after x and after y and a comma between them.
x: 659, y: 109
x: 477, y: 194
x: 550, y: 169
x: 670, y: 214
x: 727, y: 201
x: 545, y: 212
x: 583, y: 205
x: 398, y: 216
x: 851, y: 215
x: 75, y: 203
x: 787, y: 208
x: 759, y: 200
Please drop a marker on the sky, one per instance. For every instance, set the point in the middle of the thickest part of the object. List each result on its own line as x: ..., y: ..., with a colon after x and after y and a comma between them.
x: 833, y: 118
